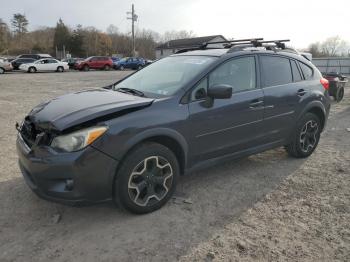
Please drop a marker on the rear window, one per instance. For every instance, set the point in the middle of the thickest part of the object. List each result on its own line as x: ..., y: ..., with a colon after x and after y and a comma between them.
x: 276, y: 70
x: 307, y: 71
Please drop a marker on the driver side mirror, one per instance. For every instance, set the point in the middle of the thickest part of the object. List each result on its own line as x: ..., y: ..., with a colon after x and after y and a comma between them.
x: 220, y: 91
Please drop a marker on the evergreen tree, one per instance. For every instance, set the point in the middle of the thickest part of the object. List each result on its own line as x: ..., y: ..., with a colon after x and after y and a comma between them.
x: 62, y: 36
x: 19, y: 24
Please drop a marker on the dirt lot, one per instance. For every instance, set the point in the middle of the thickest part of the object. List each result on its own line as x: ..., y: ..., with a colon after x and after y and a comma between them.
x: 264, y: 207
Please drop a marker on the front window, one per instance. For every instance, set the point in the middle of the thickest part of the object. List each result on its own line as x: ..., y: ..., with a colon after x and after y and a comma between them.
x: 166, y: 76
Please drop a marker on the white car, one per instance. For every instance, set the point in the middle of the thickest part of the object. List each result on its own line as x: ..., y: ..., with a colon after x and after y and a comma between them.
x: 46, y: 64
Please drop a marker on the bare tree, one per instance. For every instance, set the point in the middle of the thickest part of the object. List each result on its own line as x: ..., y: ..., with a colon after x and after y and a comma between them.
x: 315, y: 49
x: 4, y: 36
x: 172, y: 35
x: 333, y: 46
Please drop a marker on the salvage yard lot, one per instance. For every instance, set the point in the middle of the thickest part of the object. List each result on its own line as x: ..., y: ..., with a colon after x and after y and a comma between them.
x: 264, y: 207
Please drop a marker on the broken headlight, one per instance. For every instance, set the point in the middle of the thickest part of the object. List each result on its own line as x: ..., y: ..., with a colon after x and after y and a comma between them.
x: 77, y: 140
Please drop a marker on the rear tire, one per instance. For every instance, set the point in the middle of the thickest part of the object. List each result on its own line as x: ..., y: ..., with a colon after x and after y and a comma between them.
x: 31, y: 69
x: 60, y: 69
x: 339, y: 94
x: 146, y: 179
x: 306, y: 136
x: 2, y: 71
x: 121, y: 68
x: 139, y: 67
x: 106, y: 68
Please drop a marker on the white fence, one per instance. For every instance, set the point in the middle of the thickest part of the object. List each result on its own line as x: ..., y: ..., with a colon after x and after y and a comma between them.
x: 333, y: 64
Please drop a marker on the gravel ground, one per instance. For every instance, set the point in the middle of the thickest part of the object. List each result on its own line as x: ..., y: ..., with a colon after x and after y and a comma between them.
x: 266, y: 207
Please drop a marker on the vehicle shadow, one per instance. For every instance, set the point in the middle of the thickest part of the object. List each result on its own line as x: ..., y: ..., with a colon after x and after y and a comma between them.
x: 38, y: 229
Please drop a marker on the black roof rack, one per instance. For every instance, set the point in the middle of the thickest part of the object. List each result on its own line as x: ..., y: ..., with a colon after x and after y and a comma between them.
x: 242, y: 44
x: 226, y: 44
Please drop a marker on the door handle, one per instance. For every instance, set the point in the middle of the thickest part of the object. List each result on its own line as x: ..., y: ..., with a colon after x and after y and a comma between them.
x: 255, y: 103
x: 301, y: 92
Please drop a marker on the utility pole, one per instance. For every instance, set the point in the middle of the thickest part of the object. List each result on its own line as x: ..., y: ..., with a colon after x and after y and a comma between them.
x: 133, y: 19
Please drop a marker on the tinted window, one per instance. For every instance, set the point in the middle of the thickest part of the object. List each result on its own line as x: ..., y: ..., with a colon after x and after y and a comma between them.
x: 276, y: 70
x: 52, y: 61
x: 296, y: 73
x: 307, y: 71
x: 238, y: 73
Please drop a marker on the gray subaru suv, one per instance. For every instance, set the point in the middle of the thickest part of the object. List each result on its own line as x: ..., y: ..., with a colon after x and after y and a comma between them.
x: 129, y: 142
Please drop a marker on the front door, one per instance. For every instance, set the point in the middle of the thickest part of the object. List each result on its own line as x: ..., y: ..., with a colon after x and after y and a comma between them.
x: 228, y: 125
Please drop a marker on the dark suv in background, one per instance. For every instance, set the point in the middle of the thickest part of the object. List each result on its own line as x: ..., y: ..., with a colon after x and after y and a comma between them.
x: 131, y: 140
x: 135, y: 63
x: 95, y: 62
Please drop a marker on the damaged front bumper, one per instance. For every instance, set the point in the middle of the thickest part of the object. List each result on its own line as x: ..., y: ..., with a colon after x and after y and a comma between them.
x: 81, y: 177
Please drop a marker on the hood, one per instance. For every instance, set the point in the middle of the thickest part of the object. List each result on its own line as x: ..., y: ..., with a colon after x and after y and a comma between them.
x: 73, y: 109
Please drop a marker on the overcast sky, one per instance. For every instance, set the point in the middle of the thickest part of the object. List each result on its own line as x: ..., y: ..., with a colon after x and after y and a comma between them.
x: 303, y: 21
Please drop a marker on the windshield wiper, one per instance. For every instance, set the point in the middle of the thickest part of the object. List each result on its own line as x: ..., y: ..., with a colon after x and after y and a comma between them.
x: 130, y: 91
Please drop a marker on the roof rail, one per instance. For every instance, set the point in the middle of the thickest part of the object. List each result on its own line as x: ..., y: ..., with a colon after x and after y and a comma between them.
x: 242, y: 44
x: 227, y: 44
x: 274, y: 45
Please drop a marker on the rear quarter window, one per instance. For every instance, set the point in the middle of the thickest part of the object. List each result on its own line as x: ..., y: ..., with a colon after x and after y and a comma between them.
x: 307, y: 71
x: 296, y: 73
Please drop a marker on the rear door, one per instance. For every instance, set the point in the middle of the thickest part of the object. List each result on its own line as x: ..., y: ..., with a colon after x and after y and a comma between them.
x: 53, y: 64
x: 229, y: 125
x: 283, y: 91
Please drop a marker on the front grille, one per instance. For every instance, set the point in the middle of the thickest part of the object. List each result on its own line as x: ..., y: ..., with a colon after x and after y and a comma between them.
x: 32, y: 135
x: 28, y: 132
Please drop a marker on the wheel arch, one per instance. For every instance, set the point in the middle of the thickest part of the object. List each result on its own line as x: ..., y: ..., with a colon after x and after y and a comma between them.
x: 164, y: 136
x: 317, y: 108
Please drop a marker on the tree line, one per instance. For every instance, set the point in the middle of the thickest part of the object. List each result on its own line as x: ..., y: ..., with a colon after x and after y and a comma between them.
x: 86, y: 41
x: 79, y: 41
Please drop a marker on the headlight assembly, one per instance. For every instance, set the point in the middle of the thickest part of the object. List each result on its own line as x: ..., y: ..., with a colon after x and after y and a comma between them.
x: 77, y: 140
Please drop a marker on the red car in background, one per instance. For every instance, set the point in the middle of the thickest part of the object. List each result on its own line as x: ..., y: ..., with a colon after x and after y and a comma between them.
x: 95, y: 62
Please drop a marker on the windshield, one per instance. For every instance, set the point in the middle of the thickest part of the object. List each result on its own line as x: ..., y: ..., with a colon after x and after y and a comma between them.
x: 166, y: 76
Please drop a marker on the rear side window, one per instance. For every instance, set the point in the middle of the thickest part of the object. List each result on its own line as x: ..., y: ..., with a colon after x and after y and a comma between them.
x: 296, y: 73
x: 307, y: 71
x: 276, y: 70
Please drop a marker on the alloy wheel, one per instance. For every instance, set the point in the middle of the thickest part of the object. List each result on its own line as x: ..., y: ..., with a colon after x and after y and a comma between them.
x: 150, y: 181
x: 308, y: 136
x: 2, y: 71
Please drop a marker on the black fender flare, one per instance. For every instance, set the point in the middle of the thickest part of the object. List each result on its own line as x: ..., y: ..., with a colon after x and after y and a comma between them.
x: 318, y: 105
x: 157, y: 132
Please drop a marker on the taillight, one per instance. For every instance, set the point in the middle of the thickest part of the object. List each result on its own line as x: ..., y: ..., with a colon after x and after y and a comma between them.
x: 325, y: 83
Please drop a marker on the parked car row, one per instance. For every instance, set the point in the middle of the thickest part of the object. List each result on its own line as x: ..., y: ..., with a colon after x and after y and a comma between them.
x: 44, y: 62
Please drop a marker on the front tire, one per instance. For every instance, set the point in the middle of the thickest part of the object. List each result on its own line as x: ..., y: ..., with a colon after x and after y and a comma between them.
x: 106, y: 68
x: 32, y: 69
x: 2, y: 71
x: 86, y: 68
x: 121, y: 68
x: 146, y: 179
x: 306, y: 136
